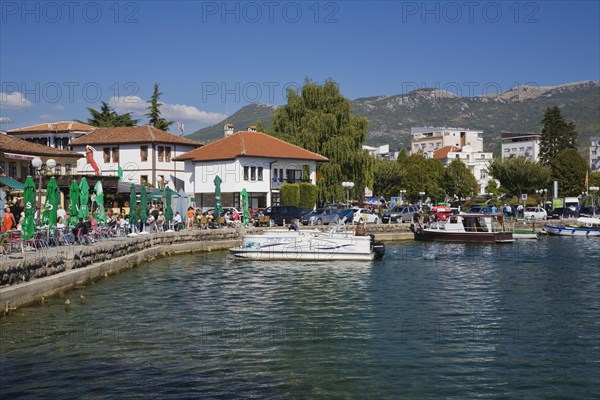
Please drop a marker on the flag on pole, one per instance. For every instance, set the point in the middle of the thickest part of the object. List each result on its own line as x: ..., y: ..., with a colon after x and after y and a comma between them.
x: 181, y: 127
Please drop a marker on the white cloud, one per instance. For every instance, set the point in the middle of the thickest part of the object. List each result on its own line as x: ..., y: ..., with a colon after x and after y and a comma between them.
x: 59, y: 107
x: 6, y: 120
x: 48, y: 117
x: 14, y: 101
x: 175, y: 112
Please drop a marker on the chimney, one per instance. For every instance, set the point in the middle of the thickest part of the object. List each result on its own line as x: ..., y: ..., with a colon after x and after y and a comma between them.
x: 252, y: 128
x: 228, y: 129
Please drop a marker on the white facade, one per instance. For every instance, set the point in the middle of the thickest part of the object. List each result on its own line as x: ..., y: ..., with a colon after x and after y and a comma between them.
x: 53, y: 134
x: 521, y: 145
x: 426, y: 139
x: 261, y: 177
x: 595, y: 153
x: 382, y: 151
x: 141, y: 163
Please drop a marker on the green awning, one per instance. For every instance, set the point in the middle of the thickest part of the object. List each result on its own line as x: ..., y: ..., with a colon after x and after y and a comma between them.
x: 10, y: 182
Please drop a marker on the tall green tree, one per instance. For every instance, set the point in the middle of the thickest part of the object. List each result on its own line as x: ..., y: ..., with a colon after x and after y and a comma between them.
x: 153, y: 113
x: 387, y: 176
x: 422, y: 175
x: 519, y: 175
x: 569, y: 169
x: 320, y: 119
x: 108, y: 118
x: 459, y: 181
x: 557, y: 135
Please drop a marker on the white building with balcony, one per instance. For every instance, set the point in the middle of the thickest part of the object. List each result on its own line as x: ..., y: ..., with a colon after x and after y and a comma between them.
x: 53, y: 134
x: 427, y: 139
x: 382, y: 152
x: 521, y: 145
x: 145, y: 155
x: 595, y: 153
x: 247, y: 160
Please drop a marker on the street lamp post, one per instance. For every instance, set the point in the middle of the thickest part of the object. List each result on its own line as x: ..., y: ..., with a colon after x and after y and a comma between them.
x: 402, y: 191
x: 348, y: 186
x: 39, y: 167
x: 421, y: 194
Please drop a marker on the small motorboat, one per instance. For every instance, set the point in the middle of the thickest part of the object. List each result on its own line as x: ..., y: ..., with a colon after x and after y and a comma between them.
x: 465, y: 228
x: 585, y: 226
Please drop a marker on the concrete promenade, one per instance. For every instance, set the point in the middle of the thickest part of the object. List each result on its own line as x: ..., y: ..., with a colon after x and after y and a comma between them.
x: 27, y: 277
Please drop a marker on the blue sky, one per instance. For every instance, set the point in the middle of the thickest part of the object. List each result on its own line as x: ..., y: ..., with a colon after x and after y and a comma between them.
x: 212, y: 58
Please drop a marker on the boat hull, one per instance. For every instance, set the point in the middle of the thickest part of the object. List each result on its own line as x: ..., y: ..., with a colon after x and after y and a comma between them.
x: 311, y: 245
x: 431, y: 235
x: 558, y: 230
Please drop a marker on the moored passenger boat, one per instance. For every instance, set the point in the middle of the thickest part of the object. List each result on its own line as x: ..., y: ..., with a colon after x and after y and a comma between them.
x: 585, y: 226
x: 278, y: 244
x: 466, y: 228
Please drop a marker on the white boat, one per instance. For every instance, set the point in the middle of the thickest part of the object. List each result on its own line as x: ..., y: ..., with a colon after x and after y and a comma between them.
x: 585, y: 226
x: 464, y: 228
x: 279, y: 244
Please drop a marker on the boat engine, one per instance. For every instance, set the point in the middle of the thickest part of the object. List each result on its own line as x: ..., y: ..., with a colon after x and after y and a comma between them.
x: 379, y: 250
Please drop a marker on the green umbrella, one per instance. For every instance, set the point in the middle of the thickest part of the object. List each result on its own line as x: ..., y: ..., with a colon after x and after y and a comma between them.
x: 143, y: 204
x: 168, y: 209
x: 100, y: 215
x: 132, y: 206
x: 84, y: 198
x: 28, y: 225
x: 120, y: 174
x: 51, y: 205
x: 218, y: 205
x: 245, y: 206
x: 73, y: 203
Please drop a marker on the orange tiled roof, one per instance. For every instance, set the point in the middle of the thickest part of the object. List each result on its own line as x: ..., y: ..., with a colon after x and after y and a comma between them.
x: 60, y: 126
x: 249, y: 144
x: 131, y: 134
x: 12, y: 144
x: 442, y: 153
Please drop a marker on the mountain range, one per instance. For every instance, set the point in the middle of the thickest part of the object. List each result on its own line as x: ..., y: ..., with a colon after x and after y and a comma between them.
x: 519, y: 109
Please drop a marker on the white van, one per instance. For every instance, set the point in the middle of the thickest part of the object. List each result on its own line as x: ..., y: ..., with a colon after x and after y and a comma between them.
x: 572, y: 203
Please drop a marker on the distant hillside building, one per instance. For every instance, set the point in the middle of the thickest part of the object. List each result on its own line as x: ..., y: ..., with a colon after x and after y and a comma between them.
x: 382, y: 152
x: 53, y: 134
x: 448, y: 144
x: 428, y: 139
x: 521, y: 145
x: 595, y: 153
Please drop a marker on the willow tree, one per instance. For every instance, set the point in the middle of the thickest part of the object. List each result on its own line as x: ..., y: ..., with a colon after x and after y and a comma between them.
x: 320, y: 119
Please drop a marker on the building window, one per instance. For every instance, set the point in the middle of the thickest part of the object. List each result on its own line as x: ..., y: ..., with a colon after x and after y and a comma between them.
x: 246, y: 173
x: 260, y: 173
x: 143, y: 179
x: 57, y: 170
x: 106, y: 153
x: 68, y: 169
x: 144, y: 153
x: 161, y: 153
x: 12, y: 169
x: 2, y: 167
x: 253, y: 173
x: 168, y: 153
x: 115, y: 154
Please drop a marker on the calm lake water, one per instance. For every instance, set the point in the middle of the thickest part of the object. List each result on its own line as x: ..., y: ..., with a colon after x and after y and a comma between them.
x: 429, y: 321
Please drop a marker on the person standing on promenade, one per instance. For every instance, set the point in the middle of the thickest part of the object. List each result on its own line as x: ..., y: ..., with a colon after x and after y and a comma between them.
x: 190, y: 218
x: 8, y: 220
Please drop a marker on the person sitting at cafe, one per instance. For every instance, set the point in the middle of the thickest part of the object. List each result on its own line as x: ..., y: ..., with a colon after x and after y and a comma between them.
x: 177, y: 221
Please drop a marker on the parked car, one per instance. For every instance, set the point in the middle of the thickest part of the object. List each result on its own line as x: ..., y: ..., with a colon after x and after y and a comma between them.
x: 279, y: 215
x: 399, y: 214
x: 366, y: 215
x: 479, y: 210
x: 224, y: 211
x: 562, y: 213
x: 535, y: 213
x: 589, y: 211
x: 320, y: 216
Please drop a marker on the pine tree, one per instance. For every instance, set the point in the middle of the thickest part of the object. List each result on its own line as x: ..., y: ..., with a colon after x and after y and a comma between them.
x: 557, y: 135
x: 320, y: 119
x: 153, y: 113
x: 107, y: 117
